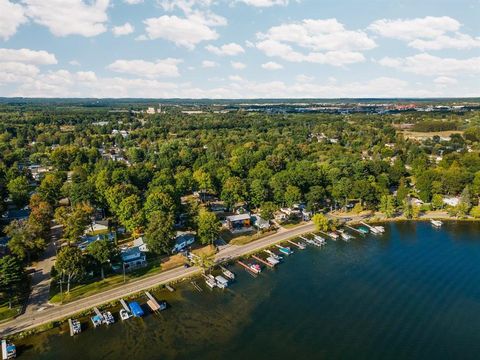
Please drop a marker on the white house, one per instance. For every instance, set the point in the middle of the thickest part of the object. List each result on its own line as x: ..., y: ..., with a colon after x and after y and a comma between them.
x: 451, y: 201
x: 140, y: 244
x: 183, y: 240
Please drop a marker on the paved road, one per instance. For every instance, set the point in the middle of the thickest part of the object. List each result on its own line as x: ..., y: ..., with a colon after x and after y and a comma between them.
x: 31, y: 320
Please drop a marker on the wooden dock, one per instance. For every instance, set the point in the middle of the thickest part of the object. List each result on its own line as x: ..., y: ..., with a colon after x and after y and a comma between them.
x: 97, y: 312
x: 263, y: 261
x: 124, y: 305
x: 169, y: 288
x: 196, y: 286
x: 352, y: 228
x: 152, y: 302
x: 70, y: 325
x: 297, y: 245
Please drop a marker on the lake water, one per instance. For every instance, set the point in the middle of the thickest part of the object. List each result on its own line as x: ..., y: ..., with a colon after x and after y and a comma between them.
x: 412, y: 293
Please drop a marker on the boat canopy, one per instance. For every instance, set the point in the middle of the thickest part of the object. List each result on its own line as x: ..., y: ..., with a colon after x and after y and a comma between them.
x: 136, y: 309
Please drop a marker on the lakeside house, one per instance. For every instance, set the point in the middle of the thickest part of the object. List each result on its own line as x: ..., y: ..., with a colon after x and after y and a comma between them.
x: 86, y: 240
x: 140, y: 244
x: 183, y: 240
x: 451, y: 201
x: 133, y: 258
x: 260, y: 223
x: 239, y: 222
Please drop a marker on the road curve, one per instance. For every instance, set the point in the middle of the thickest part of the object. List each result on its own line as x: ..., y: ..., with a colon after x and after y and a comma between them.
x: 58, y: 312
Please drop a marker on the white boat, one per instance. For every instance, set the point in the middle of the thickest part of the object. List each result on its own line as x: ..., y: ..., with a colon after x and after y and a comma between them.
x: 222, y: 283
x: 333, y: 235
x: 272, y: 260
x: 125, y: 315
x: 345, y: 236
x: 230, y: 275
x: 210, y: 281
x: 436, y: 223
x: 274, y: 256
x: 76, y: 327
x: 301, y: 246
x: 380, y: 229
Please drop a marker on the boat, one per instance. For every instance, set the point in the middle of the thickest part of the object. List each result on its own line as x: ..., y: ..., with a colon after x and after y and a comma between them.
x: 75, y: 327
x: 272, y: 260
x: 320, y: 240
x: 345, y: 236
x: 285, y: 250
x: 379, y: 229
x: 301, y: 246
x: 436, y: 223
x: 363, y: 229
x: 136, y: 309
x: 228, y: 274
x: 333, y: 235
x: 125, y: 315
x: 108, y: 318
x: 222, y: 283
x: 210, y: 281
x: 9, y: 350
x: 274, y: 256
x: 96, y: 320
x: 255, y: 268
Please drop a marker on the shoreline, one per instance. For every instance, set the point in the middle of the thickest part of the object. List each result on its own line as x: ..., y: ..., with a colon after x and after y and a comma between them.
x: 189, y: 273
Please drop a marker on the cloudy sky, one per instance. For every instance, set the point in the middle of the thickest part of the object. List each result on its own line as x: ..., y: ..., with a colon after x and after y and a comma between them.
x: 239, y: 48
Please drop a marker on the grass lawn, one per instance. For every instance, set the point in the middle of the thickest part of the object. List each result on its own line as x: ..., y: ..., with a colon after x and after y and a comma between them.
x: 78, y: 291
x: 245, y: 239
x: 6, y: 313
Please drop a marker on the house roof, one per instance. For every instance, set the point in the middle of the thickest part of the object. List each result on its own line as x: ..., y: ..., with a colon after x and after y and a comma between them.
x: 239, y: 217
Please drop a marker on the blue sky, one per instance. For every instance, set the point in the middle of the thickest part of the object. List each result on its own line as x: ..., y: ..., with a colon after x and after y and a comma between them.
x: 239, y: 48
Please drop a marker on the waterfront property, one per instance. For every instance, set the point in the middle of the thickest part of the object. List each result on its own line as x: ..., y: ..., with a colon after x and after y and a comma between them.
x: 133, y: 258
x: 239, y: 223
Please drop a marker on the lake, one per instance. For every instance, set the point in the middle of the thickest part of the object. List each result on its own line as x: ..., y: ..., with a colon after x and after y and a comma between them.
x: 411, y: 293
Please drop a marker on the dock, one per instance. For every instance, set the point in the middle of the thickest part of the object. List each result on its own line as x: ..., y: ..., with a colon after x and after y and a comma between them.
x: 97, y: 312
x: 250, y: 269
x: 196, y: 286
x: 327, y: 235
x: 263, y: 261
x: 373, y: 229
x: 169, y: 288
x: 75, y: 327
x: 297, y: 245
x: 353, y: 229
x: 124, y: 305
x: 153, y: 303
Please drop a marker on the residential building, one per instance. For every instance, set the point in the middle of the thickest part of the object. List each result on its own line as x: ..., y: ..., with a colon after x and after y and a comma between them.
x: 133, y: 258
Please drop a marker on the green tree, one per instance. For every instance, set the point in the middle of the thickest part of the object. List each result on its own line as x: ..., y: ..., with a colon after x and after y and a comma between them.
x: 258, y: 192
x: 160, y: 233
x: 159, y: 201
x: 475, y: 212
x: 19, y: 189
x: 24, y: 242
x: 41, y: 214
x: 407, y: 209
x: 104, y: 252
x: 205, y: 261
x: 70, y: 264
x: 12, y: 274
x: 130, y: 213
x: 437, y: 202
x: 74, y: 220
x: 233, y: 191
x: 293, y: 195
x: 267, y: 210
x: 50, y: 186
x: 387, y: 205
x: 322, y: 223
x: 314, y: 197
x: 208, y: 227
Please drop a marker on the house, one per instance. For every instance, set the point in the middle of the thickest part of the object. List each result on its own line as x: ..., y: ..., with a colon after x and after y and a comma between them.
x: 88, y: 239
x: 260, y: 223
x: 140, y: 243
x: 238, y: 223
x: 451, y: 201
x: 291, y: 212
x: 96, y: 227
x: 133, y: 258
x: 150, y: 111
x: 183, y: 240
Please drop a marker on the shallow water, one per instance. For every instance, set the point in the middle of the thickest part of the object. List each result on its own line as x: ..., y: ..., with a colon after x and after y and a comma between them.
x: 412, y: 293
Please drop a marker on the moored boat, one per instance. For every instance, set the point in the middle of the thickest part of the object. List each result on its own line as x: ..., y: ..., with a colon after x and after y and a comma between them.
x: 9, y: 350
x: 228, y: 274
x: 222, y: 283
x: 436, y: 223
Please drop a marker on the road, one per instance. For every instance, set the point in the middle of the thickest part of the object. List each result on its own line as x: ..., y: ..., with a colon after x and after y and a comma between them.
x: 31, y: 319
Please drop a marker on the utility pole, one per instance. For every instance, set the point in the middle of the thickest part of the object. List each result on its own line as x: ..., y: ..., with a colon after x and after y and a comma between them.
x: 124, y: 277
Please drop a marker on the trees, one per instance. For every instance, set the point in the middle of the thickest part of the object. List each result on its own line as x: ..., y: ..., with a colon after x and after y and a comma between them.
x: 41, y: 214
x: 160, y: 232
x: 314, y: 197
x: 234, y: 191
x: 24, y: 242
x: 322, y: 223
x: 130, y: 213
x: 19, y: 189
x: 387, y: 205
x: 74, y: 220
x: 159, y: 201
x: 50, y: 186
x: 258, y: 192
x: 104, y: 252
x: 437, y: 202
x: 208, y: 227
x: 293, y: 195
x: 70, y: 264
x: 267, y: 210
x: 205, y: 260
x: 12, y: 274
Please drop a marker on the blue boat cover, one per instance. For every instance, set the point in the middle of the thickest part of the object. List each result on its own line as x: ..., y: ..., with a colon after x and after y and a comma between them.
x: 136, y: 309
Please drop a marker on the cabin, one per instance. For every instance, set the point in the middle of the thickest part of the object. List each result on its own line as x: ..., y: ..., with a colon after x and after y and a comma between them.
x: 451, y: 201
x: 240, y: 222
x: 133, y: 258
x: 140, y: 243
x: 183, y: 240
x: 259, y: 223
x: 86, y: 240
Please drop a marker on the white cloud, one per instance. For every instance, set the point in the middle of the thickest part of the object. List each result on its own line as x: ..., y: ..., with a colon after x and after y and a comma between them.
x: 235, y: 78
x: 326, y: 41
x: 74, y: 63
x: 271, y: 65
x: 302, y: 78
x: 40, y: 57
x: 161, y: 68
x: 265, y: 3
x: 87, y: 76
x: 209, y: 64
x: 429, y: 65
x: 124, y: 29
x: 186, y: 32
x: 11, y: 17
x: 231, y: 49
x: 69, y: 17
x: 13, y: 72
x: 133, y: 2
x: 238, y: 65
x: 428, y: 33
x: 445, y: 80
